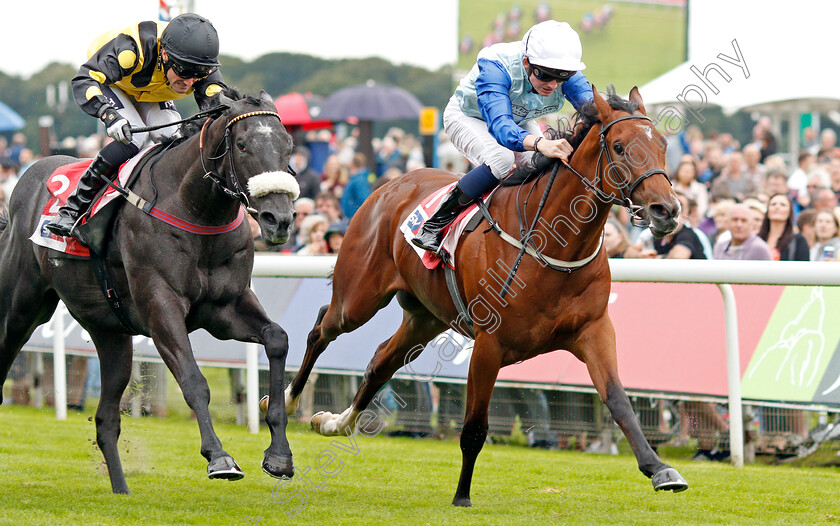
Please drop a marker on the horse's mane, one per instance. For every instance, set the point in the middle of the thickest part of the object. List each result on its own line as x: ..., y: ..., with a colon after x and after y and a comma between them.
x: 582, y: 121
x: 190, y: 128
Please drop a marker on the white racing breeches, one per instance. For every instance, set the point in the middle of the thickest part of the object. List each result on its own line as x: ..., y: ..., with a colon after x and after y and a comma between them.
x: 472, y: 138
x: 145, y: 114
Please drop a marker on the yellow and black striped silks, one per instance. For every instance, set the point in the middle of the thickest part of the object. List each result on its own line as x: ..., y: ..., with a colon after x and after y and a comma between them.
x: 130, y: 60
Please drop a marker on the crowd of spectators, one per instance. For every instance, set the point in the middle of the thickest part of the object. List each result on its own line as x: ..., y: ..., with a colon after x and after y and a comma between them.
x: 336, y: 182
x: 745, y: 201
x: 15, y: 157
x: 742, y: 202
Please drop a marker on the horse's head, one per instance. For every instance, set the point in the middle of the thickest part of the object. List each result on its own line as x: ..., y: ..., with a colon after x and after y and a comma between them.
x: 632, y: 153
x: 258, y: 151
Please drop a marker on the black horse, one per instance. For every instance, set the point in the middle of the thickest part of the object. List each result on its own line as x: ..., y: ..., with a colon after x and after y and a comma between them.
x: 170, y: 281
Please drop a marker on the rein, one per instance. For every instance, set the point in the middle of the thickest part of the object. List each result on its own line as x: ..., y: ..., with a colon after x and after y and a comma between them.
x: 206, y: 113
x: 625, y: 201
x: 527, y: 238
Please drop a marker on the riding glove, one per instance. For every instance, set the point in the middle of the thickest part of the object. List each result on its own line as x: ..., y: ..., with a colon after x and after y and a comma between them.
x: 116, y: 126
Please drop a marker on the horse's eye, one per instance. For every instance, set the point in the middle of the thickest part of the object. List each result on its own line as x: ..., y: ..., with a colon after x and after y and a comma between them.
x: 619, y: 149
x: 241, y: 145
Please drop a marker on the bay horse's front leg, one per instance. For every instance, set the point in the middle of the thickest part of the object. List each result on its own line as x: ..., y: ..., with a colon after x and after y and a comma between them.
x: 245, y: 320
x: 168, y: 330
x: 595, y: 346
x: 316, y: 343
x: 484, y: 368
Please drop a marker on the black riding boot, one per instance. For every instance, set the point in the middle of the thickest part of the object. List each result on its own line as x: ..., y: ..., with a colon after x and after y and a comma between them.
x: 79, y: 201
x: 453, y: 204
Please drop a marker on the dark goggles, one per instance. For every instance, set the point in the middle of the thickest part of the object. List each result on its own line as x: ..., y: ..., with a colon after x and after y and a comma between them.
x: 547, y: 74
x: 190, y: 71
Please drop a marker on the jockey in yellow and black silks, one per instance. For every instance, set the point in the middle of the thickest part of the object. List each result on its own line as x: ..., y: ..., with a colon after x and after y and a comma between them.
x: 131, y: 79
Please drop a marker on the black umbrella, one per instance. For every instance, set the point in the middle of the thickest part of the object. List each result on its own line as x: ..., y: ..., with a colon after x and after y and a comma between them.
x: 370, y: 102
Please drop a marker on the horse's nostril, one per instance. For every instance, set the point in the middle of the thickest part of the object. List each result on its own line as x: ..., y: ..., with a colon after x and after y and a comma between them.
x: 659, y: 211
x: 268, y: 219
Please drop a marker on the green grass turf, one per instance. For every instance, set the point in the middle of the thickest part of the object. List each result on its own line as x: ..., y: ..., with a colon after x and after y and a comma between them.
x: 51, y: 473
x: 640, y: 43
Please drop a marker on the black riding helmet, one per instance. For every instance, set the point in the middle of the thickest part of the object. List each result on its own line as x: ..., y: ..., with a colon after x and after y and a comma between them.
x: 192, y: 46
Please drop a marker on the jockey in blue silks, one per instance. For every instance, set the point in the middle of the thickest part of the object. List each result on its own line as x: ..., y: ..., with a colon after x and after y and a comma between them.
x: 490, y: 118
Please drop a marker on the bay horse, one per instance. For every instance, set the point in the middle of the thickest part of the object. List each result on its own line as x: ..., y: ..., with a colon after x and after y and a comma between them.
x: 618, y: 154
x: 170, y: 281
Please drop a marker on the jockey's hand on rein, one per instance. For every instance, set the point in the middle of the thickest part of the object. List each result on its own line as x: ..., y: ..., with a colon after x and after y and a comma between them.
x: 557, y: 148
x: 116, y: 126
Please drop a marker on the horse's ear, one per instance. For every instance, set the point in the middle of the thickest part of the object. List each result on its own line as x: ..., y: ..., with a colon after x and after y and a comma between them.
x: 224, y: 100
x: 266, y: 98
x: 636, y: 97
x: 604, y: 109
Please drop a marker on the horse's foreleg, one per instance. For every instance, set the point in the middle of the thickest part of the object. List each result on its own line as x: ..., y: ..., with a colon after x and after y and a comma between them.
x: 316, y: 343
x: 246, y: 320
x: 354, y: 302
x: 397, y: 351
x: 169, y: 333
x: 115, y: 370
x: 484, y: 368
x: 595, y: 345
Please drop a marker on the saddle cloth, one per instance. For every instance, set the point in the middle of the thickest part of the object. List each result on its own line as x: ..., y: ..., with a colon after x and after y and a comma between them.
x: 414, y: 222
x: 60, y: 185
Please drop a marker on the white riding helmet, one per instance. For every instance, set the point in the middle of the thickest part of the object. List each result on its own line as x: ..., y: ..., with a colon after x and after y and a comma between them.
x: 554, y: 45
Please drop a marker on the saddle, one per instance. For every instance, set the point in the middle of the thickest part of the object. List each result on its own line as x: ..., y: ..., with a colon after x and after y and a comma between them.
x: 93, y: 231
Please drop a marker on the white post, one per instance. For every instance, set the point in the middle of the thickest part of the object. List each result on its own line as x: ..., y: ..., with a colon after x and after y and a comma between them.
x: 137, y: 389
x: 733, y: 369
x: 38, y: 380
x: 59, y: 366
x: 252, y: 374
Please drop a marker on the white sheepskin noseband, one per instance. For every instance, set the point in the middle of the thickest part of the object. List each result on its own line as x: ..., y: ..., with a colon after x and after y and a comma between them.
x: 273, y: 183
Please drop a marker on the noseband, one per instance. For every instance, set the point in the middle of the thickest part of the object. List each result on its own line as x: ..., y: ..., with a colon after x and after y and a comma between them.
x: 624, y: 200
x: 237, y: 192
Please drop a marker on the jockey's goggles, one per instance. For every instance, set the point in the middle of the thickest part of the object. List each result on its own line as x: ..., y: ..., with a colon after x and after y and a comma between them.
x: 190, y: 71
x: 547, y: 74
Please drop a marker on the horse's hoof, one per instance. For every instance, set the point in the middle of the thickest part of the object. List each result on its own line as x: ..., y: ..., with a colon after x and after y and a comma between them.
x: 278, y: 466
x: 224, y: 468
x: 463, y: 502
x: 264, y: 405
x: 669, y: 479
x: 291, y: 403
x: 316, y: 419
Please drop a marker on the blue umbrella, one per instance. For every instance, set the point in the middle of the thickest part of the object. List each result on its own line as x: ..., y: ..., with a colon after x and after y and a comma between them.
x: 9, y: 119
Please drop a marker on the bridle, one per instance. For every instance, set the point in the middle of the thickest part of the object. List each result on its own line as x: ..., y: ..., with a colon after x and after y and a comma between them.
x: 624, y: 200
x: 225, y: 183
x: 635, y: 218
